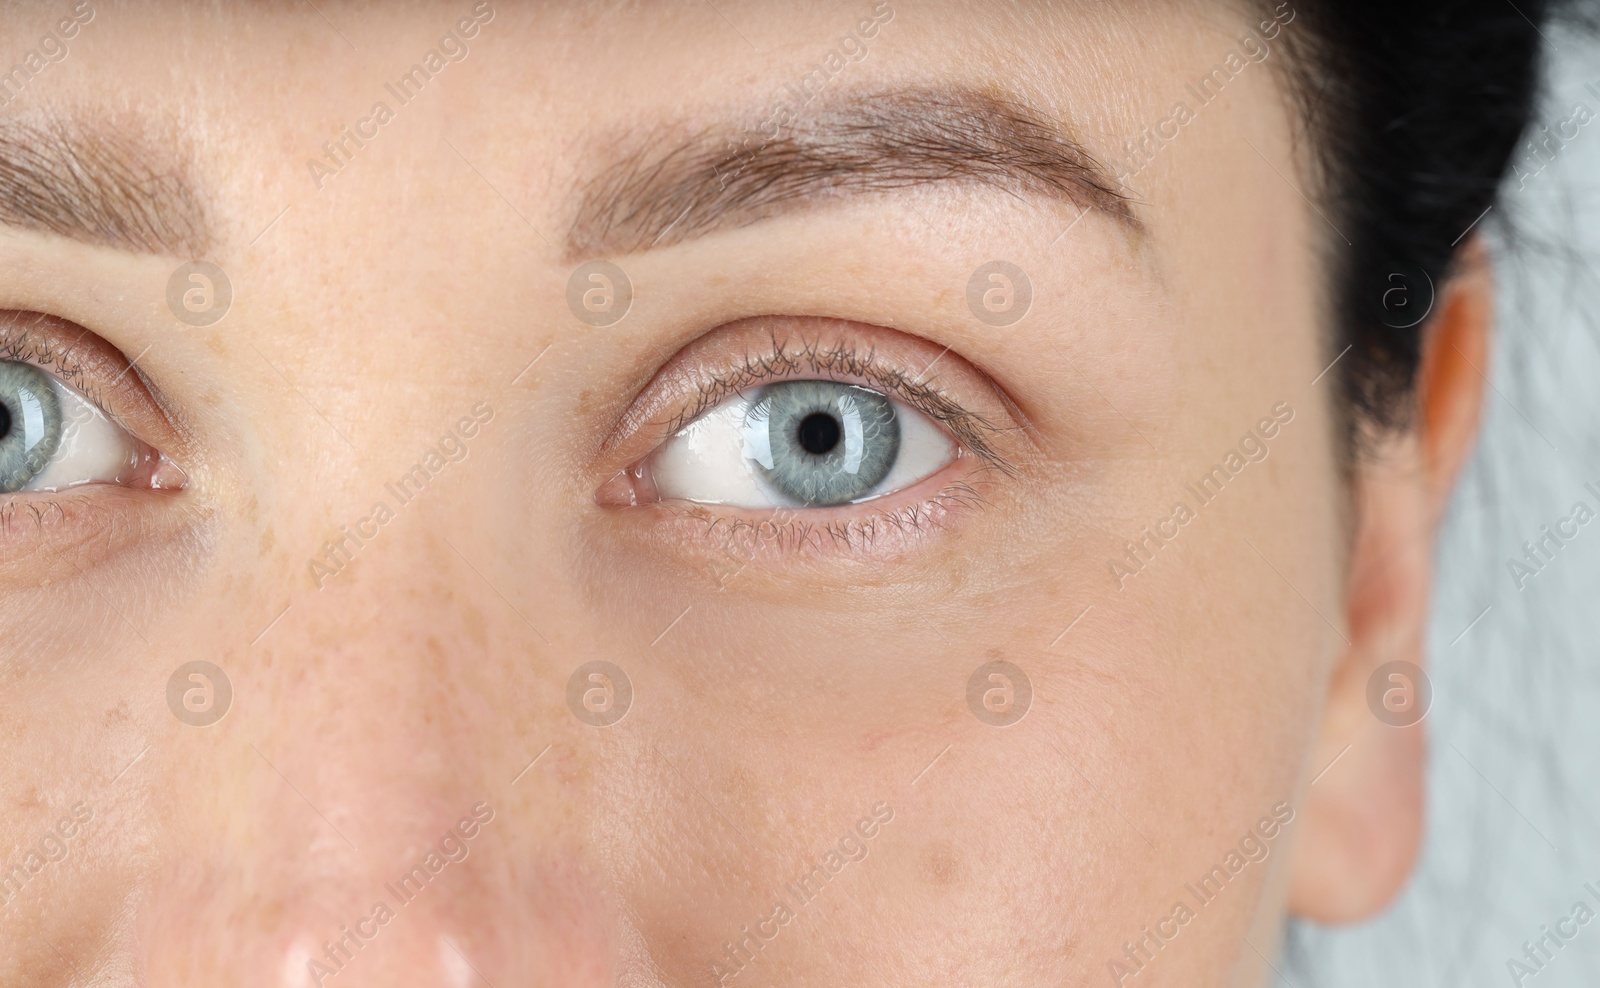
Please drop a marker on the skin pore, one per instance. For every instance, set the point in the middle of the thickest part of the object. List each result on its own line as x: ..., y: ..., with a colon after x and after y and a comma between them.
x: 799, y: 677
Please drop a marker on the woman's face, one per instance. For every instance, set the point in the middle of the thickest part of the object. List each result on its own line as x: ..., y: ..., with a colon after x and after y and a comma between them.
x: 1002, y: 653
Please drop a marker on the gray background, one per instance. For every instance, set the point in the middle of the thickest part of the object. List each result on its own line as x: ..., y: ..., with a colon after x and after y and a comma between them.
x: 1514, y: 785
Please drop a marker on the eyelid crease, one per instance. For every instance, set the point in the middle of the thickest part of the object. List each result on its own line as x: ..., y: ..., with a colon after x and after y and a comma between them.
x: 844, y: 358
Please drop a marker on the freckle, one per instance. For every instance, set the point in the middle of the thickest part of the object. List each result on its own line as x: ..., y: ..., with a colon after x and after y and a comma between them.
x: 271, y: 913
x: 438, y: 660
x: 118, y: 714
x: 741, y: 788
x: 212, y: 398
x: 215, y: 345
x: 476, y: 627
x: 941, y: 865
x: 583, y: 401
x: 267, y: 540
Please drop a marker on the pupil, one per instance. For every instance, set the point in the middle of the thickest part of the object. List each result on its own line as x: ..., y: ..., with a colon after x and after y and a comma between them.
x: 5, y: 421
x: 819, y: 433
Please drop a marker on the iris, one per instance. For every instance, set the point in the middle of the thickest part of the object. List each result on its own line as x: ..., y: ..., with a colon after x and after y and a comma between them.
x: 826, y: 443
x: 30, y: 424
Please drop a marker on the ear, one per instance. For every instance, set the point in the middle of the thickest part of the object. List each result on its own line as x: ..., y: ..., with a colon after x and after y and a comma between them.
x: 1362, y: 821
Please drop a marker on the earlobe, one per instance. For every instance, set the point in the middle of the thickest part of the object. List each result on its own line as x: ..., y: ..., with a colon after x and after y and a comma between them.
x: 1363, y: 814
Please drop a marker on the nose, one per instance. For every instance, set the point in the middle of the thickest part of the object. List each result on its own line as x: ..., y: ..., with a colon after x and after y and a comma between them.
x: 391, y: 801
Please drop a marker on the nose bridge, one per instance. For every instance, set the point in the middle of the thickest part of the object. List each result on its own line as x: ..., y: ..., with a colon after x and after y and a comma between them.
x: 406, y: 682
x: 376, y: 736
x: 388, y: 679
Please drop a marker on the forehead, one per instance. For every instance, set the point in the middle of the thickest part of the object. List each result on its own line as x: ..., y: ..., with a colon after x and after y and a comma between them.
x: 569, y: 81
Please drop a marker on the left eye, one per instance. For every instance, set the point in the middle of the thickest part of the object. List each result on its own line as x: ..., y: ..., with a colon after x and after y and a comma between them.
x: 801, y: 444
x: 52, y: 438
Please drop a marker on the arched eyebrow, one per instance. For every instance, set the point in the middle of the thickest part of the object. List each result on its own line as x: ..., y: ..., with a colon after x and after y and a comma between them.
x: 669, y: 189
x: 99, y: 185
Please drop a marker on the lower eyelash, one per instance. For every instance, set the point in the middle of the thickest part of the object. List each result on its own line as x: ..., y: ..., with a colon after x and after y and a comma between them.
x: 743, y: 540
x: 28, y: 515
x: 31, y: 521
x: 907, y: 521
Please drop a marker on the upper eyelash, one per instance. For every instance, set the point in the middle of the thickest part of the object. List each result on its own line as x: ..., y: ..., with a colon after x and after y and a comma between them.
x: 24, y: 346
x: 971, y: 429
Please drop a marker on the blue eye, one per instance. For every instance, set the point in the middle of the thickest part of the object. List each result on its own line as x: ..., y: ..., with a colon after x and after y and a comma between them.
x: 825, y: 443
x: 52, y: 437
x: 30, y: 424
x: 807, y: 443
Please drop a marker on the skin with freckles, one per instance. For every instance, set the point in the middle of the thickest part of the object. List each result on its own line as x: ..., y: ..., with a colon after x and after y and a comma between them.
x: 419, y: 495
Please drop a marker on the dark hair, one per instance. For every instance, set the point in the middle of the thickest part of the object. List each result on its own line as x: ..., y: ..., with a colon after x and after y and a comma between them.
x: 1413, y: 112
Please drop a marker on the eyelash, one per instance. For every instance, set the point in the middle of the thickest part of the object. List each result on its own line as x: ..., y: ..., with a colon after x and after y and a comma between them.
x: 22, y: 345
x: 34, y: 514
x: 784, y: 531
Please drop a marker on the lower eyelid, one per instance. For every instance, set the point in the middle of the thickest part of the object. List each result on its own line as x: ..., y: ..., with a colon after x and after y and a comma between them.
x: 93, y: 569
x: 885, y: 527
x: 55, y: 537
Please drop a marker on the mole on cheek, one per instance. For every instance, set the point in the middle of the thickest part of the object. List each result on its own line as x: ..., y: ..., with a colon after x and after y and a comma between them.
x: 941, y: 865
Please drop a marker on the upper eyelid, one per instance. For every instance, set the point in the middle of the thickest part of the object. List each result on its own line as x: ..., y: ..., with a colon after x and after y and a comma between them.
x: 96, y: 369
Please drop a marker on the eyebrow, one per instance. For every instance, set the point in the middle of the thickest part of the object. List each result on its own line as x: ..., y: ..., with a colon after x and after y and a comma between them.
x: 99, y: 185
x: 672, y: 189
